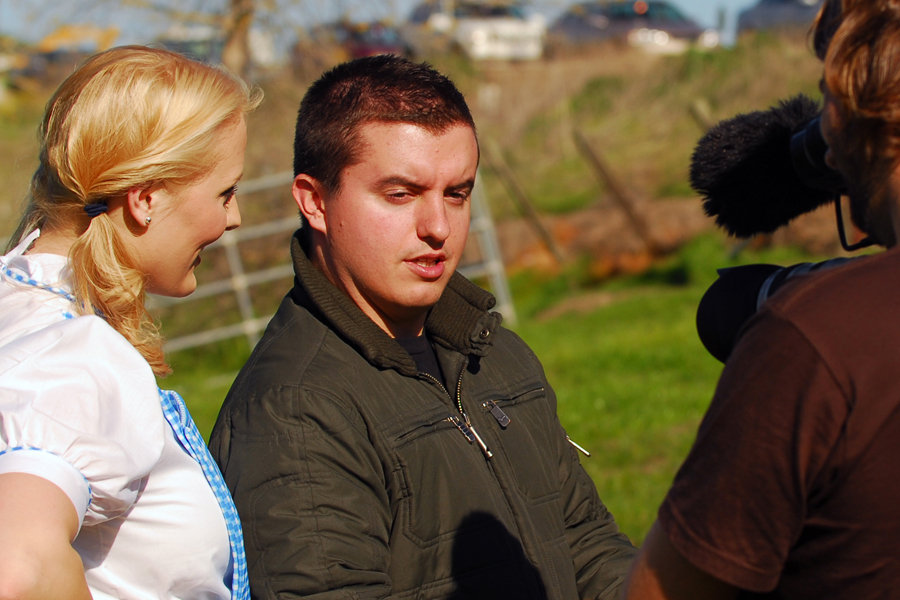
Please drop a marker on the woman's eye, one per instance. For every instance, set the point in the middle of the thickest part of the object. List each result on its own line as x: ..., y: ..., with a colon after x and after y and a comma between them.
x: 229, y: 194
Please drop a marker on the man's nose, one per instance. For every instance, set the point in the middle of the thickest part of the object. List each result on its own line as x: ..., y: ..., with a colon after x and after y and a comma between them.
x: 431, y: 219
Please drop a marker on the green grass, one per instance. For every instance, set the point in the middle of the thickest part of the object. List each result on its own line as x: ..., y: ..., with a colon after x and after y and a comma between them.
x: 204, y: 375
x: 639, y: 116
x: 632, y: 381
x: 19, y: 149
x: 631, y: 376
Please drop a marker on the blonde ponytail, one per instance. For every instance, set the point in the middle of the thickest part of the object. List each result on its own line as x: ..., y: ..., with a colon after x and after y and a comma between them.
x: 106, y: 284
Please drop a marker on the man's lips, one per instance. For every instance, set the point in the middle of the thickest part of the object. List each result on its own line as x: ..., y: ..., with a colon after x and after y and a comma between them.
x: 429, y: 266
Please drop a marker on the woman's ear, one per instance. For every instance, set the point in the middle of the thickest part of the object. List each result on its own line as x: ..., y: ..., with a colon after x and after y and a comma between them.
x: 139, y: 204
x: 309, y: 195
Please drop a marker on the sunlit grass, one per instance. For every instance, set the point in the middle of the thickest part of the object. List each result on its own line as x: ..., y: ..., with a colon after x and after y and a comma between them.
x: 631, y: 375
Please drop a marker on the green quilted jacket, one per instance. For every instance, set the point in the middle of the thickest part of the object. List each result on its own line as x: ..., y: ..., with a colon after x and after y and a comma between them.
x: 356, y: 476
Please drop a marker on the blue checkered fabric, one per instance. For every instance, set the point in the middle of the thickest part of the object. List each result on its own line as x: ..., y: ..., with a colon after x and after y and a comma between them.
x: 22, y: 278
x: 189, y: 437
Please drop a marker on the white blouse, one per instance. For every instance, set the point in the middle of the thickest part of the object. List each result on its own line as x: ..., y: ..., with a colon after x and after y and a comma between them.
x: 79, y: 406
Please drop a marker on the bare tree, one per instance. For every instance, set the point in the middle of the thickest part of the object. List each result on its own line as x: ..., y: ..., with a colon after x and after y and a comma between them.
x: 236, y: 53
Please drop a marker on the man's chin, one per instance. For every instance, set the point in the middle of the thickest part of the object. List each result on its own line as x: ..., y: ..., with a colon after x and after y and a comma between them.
x: 428, y: 297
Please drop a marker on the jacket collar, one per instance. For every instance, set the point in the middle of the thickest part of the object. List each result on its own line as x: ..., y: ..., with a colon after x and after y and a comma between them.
x: 460, y: 320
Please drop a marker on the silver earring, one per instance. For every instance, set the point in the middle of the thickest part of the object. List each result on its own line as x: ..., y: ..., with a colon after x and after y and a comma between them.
x: 147, y: 221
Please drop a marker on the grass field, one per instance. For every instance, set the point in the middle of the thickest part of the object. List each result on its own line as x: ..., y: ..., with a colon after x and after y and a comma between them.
x: 631, y: 376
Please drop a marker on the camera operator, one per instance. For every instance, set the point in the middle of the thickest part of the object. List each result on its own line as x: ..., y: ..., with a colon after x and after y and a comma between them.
x: 792, y: 487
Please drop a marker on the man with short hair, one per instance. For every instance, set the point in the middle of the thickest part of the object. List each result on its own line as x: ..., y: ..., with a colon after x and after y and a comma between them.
x: 387, y: 438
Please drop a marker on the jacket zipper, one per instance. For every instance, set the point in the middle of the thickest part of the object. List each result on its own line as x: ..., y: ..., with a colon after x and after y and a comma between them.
x: 502, y: 418
x: 464, y: 425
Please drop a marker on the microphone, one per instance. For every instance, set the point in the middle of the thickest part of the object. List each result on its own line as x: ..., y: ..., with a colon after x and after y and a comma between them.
x: 758, y: 171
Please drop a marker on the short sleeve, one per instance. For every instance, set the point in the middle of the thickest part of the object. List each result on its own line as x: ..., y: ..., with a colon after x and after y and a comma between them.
x: 738, y: 502
x: 21, y: 459
x: 77, y: 393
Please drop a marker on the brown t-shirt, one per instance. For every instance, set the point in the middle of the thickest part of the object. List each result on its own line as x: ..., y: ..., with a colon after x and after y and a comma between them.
x: 793, y: 484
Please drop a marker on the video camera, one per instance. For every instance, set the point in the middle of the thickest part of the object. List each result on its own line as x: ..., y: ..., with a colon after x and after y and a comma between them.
x: 757, y: 172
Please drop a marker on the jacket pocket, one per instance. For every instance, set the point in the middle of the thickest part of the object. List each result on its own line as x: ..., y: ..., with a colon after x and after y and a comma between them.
x: 443, y: 478
x: 528, y: 440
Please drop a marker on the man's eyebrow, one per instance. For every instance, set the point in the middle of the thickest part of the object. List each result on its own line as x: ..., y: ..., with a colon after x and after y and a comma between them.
x: 465, y: 185
x: 402, y: 181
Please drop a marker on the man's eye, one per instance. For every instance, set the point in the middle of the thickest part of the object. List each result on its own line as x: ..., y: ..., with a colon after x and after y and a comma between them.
x: 399, y: 195
x: 458, y: 197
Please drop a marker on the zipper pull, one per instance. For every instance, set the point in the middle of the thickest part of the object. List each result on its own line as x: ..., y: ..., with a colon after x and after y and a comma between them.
x: 462, y: 427
x: 484, y: 448
x: 478, y: 439
x: 579, y: 448
x: 470, y: 433
x: 502, y: 418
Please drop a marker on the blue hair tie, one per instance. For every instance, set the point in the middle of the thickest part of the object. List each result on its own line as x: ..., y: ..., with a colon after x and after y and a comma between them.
x: 95, y: 208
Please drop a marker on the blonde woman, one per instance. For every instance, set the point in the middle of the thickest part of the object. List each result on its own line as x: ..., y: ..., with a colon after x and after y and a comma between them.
x: 106, y: 488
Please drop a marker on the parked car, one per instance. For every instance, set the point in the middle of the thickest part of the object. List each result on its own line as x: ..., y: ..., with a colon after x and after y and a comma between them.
x: 778, y: 14
x: 370, y: 39
x: 326, y: 44
x: 483, y: 29
x: 654, y: 25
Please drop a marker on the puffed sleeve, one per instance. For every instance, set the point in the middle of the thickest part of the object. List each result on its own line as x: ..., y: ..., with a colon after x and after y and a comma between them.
x: 79, y: 406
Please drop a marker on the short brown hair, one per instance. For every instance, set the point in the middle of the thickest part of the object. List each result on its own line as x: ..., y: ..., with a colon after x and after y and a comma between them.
x: 383, y: 88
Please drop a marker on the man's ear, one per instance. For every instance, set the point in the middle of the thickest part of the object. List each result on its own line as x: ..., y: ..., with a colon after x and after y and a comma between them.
x: 309, y: 195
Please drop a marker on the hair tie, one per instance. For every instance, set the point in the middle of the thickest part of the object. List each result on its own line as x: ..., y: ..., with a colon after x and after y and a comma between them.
x: 95, y: 208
